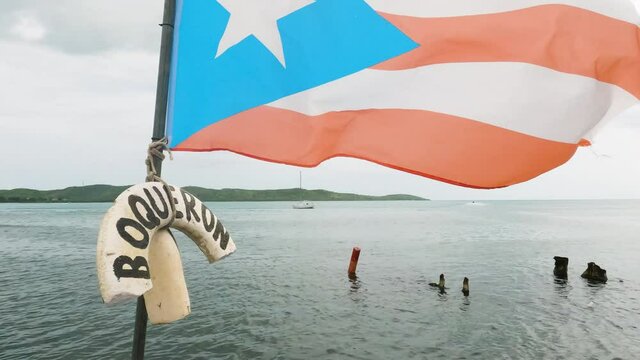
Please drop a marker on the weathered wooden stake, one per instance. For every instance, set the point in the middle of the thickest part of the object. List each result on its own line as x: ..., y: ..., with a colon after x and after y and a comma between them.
x: 595, y: 273
x: 355, y: 255
x: 465, y: 286
x: 561, y: 267
x: 440, y: 284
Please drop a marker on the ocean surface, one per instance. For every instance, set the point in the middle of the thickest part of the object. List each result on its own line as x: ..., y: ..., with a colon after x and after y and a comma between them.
x: 285, y: 293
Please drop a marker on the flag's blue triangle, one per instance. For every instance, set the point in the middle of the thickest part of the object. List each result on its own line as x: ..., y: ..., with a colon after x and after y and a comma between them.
x: 322, y: 42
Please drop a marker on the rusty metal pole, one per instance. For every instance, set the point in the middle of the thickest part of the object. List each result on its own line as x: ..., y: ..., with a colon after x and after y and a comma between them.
x: 353, y: 264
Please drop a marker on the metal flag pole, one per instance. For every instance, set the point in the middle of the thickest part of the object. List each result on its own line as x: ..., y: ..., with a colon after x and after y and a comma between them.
x: 159, y: 125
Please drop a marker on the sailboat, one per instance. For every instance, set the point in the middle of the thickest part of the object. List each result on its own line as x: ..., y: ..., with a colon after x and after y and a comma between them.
x: 303, y: 204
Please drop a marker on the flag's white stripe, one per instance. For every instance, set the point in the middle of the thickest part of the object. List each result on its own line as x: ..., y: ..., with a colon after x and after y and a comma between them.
x: 619, y: 9
x: 526, y: 98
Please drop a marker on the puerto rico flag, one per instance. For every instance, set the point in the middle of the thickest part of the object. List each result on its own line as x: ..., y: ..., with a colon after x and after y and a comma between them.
x: 482, y: 94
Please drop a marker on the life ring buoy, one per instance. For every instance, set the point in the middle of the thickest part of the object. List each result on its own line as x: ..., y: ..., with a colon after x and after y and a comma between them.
x: 168, y: 300
x: 132, y: 223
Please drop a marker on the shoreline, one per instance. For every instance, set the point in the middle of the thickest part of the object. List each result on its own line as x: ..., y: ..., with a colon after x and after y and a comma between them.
x: 108, y: 193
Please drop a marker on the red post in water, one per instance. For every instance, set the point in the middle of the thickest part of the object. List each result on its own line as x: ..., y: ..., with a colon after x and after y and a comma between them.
x: 355, y: 255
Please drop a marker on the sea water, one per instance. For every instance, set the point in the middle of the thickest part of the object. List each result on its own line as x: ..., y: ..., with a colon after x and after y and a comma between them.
x: 285, y: 293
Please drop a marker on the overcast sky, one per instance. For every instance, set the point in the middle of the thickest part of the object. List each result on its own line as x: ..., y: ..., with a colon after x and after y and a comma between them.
x: 76, y: 107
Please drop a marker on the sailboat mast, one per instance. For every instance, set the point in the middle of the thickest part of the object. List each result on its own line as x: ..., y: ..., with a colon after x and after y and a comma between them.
x: 159, y: 132
x: 300, y: 180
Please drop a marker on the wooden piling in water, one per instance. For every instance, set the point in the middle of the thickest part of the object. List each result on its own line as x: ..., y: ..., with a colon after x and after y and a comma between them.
x: 440, y: 284
x: 353, y: 264
x: 595, y: 273
x: 561, y: 267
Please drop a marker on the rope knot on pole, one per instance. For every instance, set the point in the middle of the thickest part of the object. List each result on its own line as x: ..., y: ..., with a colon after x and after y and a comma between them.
x: 155, y: 155
x: 156, y: 150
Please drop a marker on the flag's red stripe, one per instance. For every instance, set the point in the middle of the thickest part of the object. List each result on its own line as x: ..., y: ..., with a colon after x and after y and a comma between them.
x: 439, y: 146
x: 559, y: 37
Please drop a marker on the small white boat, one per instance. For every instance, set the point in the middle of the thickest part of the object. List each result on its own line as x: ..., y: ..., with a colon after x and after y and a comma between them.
x: 475, y: 203
x: 304, y: 204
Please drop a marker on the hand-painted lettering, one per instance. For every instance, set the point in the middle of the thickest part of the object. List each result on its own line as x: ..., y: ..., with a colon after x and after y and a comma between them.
x: 210, y: 223
x: 123, y: 224
x: 149, y: 220
x: 141, y: 215
x: 225, y: 240
x: 164, y: 213
x: 179, y: 214
x: 221, y: 234
x: 190, y: 206
x: 139, y: 267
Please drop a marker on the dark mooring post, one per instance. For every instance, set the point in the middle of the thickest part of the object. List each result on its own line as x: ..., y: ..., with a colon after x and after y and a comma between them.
x: 159, y: 124
x: 465, y: 286
x: 595, y: 273
x: 561, y: 267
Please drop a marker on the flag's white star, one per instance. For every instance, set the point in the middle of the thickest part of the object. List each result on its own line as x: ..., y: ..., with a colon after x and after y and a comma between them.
x: 260, y: 19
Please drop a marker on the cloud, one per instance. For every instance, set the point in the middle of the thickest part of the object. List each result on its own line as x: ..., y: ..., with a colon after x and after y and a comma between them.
x: 66, y: 119
x: 28, y: 28
x: 78, y: 99
x: 87, y: 26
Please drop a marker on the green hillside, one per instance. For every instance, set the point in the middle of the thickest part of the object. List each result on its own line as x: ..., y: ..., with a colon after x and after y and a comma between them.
x: 108, y: 193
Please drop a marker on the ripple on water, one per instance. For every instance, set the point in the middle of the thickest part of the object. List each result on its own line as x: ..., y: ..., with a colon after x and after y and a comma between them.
x: 285, y: 293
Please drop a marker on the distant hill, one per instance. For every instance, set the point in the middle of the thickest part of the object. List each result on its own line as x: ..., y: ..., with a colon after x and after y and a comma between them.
x: 108, y: 193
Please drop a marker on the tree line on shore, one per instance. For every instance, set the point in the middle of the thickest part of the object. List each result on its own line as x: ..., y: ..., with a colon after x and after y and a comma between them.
x: 108, y: 193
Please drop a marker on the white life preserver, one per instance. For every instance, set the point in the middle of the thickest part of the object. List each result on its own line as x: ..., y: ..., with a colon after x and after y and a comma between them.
x: 133, y: 225
x: 168, y: 299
